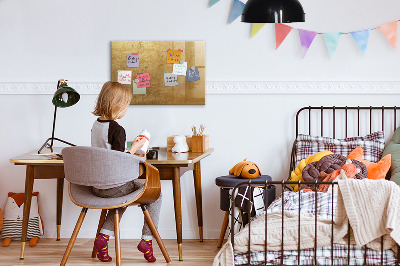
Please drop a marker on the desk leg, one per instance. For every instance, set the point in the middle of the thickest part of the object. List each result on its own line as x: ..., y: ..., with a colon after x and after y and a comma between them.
x: 199, y: 204
x: 60, y: 190
x: 27, y: 206
x: 176, y: 182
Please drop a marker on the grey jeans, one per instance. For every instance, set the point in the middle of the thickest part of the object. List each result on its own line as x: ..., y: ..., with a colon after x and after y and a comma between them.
x: 154, y: 208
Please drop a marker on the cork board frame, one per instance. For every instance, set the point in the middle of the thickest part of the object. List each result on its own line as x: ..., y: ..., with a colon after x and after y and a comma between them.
x: 153, y: 60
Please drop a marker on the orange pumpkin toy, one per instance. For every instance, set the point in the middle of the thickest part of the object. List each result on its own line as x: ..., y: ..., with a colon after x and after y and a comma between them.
x: 245, y: 169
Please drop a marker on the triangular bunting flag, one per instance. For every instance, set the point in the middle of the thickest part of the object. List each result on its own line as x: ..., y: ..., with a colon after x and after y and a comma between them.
x: 332, y: 41
x: 281, y: 31
x: 237, y: 9
x: 389, y: 30
x: 306, y: 39
x: 256, y: 27
x: 361, y: 37
x: 213, y: 2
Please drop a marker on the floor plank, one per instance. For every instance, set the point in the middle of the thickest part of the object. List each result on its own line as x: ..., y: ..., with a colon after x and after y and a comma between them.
x: 50, y: 252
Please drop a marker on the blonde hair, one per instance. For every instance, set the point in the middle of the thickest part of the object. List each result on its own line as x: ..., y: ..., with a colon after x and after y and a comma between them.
x: 112, y: 99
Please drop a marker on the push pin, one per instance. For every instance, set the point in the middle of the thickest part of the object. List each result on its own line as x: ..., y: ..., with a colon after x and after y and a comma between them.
x: 136, y: 81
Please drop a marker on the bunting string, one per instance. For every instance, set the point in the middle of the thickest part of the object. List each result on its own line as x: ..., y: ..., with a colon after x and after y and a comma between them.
x: 343, y: 33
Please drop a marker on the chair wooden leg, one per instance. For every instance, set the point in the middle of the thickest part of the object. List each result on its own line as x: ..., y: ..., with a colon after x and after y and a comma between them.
x: 117, y: 238
x: 73, y: 237
x: 154, y: 230
x: 223, y: 229
x: 101, y: 222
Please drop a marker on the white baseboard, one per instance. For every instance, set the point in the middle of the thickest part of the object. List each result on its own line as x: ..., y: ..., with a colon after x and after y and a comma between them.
x: 136, y: 233
x: 231, y: 87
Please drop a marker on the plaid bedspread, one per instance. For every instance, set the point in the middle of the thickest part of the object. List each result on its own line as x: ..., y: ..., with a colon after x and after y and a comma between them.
x: 307, y: 202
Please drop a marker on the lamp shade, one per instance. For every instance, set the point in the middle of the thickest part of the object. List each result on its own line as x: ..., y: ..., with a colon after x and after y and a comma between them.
x: 65, y: 96
x: 273, y: 11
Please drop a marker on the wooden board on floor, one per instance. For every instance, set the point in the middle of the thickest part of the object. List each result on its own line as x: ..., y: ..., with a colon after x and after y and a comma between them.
x: 50, y: 252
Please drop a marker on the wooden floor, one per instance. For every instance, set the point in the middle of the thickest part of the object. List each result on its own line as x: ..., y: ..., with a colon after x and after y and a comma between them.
x: 50, y: 252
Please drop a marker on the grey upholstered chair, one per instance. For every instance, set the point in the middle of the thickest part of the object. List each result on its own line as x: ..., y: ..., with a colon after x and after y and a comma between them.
x: 85, y: 167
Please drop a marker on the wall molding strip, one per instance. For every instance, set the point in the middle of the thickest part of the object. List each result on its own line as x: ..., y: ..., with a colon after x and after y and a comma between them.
x: 231, y: 87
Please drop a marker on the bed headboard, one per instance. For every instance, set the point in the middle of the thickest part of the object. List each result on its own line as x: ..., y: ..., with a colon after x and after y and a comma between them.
x: 344, y: 121
x: 347, y: 116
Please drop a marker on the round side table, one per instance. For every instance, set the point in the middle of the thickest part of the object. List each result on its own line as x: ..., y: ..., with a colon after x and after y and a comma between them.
x: 226, y: 183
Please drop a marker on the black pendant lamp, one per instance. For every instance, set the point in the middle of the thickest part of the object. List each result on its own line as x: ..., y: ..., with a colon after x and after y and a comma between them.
x: 273, y: 11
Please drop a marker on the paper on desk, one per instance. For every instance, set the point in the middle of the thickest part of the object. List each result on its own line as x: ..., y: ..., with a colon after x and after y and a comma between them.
x: 53, y: 155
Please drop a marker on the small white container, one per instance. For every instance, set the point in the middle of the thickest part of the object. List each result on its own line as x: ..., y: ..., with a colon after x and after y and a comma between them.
x: 144, y: 134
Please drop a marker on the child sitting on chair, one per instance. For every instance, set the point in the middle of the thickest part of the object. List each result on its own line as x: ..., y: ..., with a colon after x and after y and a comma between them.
x: 112, y: 103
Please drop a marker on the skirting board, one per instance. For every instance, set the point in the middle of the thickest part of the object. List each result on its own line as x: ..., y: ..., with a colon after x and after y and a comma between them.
x: 232, y: 87
x: 127, y: 233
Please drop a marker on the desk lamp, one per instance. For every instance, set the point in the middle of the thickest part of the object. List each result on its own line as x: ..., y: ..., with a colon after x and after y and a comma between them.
x: 64, y: 96
x: 272, y: 11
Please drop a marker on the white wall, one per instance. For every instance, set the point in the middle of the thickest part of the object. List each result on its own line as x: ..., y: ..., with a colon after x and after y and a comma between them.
x: 42, y: 41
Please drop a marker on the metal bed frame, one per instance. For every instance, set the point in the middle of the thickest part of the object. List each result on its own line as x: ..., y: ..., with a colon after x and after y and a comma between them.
x: 283, y: 184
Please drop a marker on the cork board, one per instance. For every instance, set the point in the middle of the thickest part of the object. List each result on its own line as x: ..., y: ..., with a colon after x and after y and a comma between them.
x: 153, y: 60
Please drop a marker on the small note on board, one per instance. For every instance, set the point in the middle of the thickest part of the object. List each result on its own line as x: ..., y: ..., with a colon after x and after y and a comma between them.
x: 174, y: 56
x: 192, y: 74
x: 144, y: 80
x: 124, y: 76
x: 180, y: 69
x: 133, y: 60
x: 137, y: 90
x: 170, y: 79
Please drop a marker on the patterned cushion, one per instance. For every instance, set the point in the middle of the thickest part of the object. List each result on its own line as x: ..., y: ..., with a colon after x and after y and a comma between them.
x: 372, y: 144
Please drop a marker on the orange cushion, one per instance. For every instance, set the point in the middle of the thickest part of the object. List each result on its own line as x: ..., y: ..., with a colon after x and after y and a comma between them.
x: 375, y: 170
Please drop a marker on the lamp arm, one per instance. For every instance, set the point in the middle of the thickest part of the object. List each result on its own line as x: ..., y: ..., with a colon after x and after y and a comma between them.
x: 54, y: 126
x: 54, y: 118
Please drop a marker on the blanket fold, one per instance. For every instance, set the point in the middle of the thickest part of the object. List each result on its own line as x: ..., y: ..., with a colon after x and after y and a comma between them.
x: 372, y: 208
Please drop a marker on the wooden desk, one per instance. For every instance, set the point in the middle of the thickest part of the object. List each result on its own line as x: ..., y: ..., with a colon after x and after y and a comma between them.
x: 40, y: 167
x: 171, y: 167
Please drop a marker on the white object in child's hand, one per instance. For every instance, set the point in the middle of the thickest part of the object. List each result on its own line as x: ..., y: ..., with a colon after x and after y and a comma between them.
x: 144, y: 134
x: 180, y: 144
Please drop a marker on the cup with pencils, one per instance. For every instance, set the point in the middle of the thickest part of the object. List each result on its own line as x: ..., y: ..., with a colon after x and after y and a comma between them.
x: 199, y: 140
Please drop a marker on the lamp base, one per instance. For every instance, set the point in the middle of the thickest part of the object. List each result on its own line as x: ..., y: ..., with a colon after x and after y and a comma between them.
x: 50, y: 146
